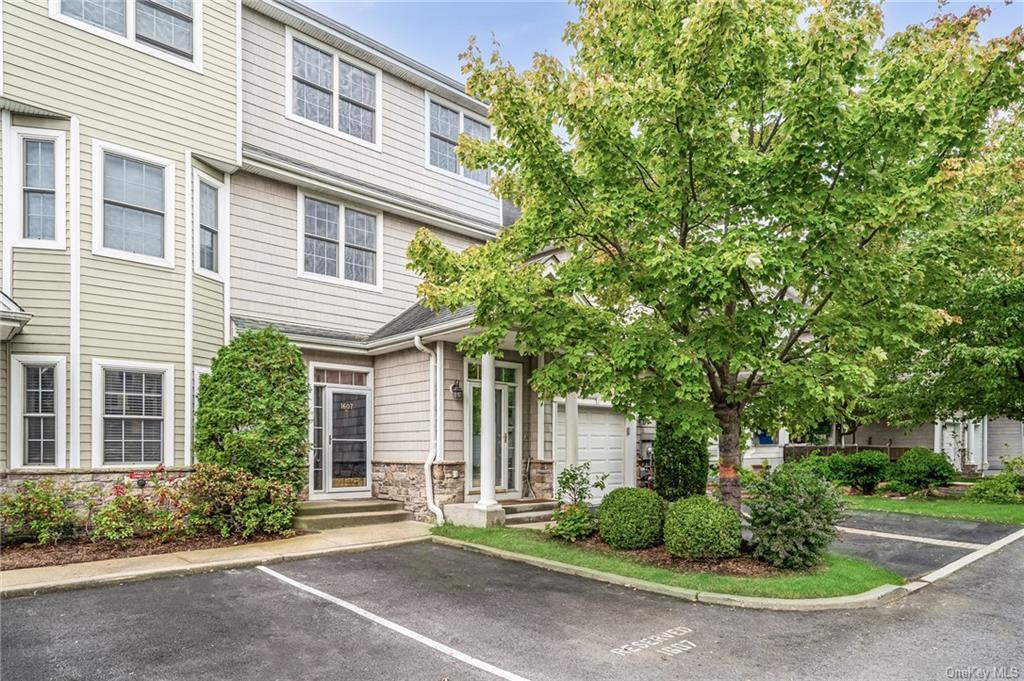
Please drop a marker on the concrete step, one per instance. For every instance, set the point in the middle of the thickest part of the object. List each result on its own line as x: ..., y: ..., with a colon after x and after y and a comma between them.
x: 333, y: 521
x: 528, y: 507
x: 311, y: 508
x: 527, y: 517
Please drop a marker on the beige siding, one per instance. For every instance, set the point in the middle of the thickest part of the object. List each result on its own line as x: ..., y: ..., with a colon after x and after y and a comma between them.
x: 1005, y: 440
x: 399, y: 166
x: 880, y: 434
x: 125, y: 97
x: 454, y: 433
x: 264, y: 265
x: 207, y: 319
x: 401, y: 406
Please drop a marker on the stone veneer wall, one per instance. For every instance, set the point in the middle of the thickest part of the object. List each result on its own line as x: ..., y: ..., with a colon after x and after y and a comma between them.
x: 403, y: 481
x: 83, y: 478
x: 541, y: 477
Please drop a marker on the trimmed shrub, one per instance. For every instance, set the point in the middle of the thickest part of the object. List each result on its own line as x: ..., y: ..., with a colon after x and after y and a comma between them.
x: 41, y: 510
x: 699, y: 527
x: 680, y: 464
x: 863, y: 470
x: 999, y: 489
x: 631, y: 518
x: 253, y: 412
x: 123, y: 517
x: 572, y: 518
x: 794, y: 513
x: 232, y: 502
x: 815, y: 463
x: 921, y: 468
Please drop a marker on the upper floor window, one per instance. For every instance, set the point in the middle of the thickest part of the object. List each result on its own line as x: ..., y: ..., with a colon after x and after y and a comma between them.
x: 40, y: 188
x: 36, y: 168
x: 165, y: 28
x: 445, y: 124
x: 339, y: 242
x: 334, y: 92
x: 133, y: 205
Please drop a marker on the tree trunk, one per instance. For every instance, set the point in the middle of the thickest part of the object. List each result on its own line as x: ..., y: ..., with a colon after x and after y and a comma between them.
x: 729, y: 455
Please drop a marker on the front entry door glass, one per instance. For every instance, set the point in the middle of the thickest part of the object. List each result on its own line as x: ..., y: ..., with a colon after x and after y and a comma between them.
x: 347, y: 443
x: 499, y: 429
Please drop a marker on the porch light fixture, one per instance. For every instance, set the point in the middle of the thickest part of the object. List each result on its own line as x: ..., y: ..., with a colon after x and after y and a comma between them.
x: 457, y: 390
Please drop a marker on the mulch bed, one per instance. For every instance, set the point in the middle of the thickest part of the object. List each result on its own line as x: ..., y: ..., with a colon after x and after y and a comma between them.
x: 658, y: 556
x: 17, y: 556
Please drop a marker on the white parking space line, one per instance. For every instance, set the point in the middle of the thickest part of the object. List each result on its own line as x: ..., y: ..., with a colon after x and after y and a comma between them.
x: 909, y: 537
x: 397, y: 628
x: 986, y: 550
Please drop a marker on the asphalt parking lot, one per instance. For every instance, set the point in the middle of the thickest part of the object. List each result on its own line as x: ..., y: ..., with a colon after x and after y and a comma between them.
x: 425, y: 611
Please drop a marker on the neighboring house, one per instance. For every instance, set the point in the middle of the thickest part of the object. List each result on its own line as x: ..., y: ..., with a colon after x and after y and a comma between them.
x: 213, y: 167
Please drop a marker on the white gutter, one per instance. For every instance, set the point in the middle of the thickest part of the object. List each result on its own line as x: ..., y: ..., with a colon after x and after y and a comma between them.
x: 428, y: 464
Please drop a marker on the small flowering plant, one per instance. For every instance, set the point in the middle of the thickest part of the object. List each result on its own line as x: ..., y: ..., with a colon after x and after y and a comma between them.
x: 40, y: 509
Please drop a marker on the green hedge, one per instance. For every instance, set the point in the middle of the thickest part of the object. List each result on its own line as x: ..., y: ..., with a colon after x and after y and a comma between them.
x: 631, y: 518
x: 699, y: 527
x: 921, y: 468
x: 680, y: 464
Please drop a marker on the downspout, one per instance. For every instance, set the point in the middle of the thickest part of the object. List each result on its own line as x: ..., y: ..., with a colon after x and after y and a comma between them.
x: 428, y: 476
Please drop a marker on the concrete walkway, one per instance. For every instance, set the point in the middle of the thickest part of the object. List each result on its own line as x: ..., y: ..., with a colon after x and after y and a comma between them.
x: 77, y: 575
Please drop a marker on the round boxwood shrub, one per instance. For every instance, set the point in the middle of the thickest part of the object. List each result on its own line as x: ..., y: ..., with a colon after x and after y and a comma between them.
x: 253, y: 412
x: 680, y: 464
x: 921, y: 468
x: 862, y: 470
x: 815, y: 463
x: 794, y: 513
x: 699, y: 527
x: 631, y: 518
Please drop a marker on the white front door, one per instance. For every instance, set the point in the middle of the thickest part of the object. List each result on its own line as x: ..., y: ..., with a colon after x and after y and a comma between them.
x: 507, y: 424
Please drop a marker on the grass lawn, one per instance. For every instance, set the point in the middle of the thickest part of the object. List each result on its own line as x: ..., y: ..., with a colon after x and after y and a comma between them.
x: 839, y: 576
x: 943, y: 508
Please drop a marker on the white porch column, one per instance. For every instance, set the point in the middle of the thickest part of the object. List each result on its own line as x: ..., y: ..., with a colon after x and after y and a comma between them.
x: 487, y: 435
x: 572, y: 430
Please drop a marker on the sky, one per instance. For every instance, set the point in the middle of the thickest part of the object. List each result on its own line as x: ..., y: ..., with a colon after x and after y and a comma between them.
x: 434, y: 33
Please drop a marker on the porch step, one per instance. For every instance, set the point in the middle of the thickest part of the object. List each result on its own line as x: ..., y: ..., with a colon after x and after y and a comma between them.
x: 333, y: 521
x: 311, y: 508
x: 529, y: 512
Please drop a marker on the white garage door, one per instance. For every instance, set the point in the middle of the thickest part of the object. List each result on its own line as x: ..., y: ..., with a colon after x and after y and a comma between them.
x: 604, y: 442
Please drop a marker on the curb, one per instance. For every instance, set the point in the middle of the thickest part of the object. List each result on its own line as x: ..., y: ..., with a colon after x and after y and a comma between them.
x: 880, y: 595
x: 177, y: 571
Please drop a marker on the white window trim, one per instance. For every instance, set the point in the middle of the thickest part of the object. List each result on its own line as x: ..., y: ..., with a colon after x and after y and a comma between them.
x: 129, y: 40
x: 197, y: 372
x: 99, y: 148
x: 17, y: 410
x: 340, y: 280
x: 167, y: 408
x: 223, y: 201
x: 368, y: 388
x: 430, y: 97
x: 16, y: 198
x: 290, y: 38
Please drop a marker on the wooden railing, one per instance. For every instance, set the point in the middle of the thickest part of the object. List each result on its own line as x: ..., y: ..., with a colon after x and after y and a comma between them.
x: 795, y: 452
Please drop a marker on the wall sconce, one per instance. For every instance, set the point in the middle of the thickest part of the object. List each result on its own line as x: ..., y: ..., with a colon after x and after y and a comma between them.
x: 457, y: 390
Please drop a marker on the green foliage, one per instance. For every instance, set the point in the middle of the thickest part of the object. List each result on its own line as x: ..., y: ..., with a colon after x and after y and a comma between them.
x: 631, y: 518
x: 699, y: 527
x: 572, y: 517
x: 794, y: 514
x: 899, y: 488
x: 572, y: 522
x: 124, y: 516
x: 921, y: 468
x: 999, y: 489
x: 1015, y: 467
x: 253, y: 411
x: 43, y: 510
x: 815, y: 463
x: 680, y: 463
x: 231, y: 502
x: 753, y: 200
x: 748, y: 476
x: 863, y: 470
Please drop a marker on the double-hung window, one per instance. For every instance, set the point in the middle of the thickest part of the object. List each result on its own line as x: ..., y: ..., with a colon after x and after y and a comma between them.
x: 208, y: 227
x: 334, y: 92
x: 40, y: 415
x: 133, y: 418
x: 339, y: 242
x: 133, y: 205
x: 40, y: 189
x: 445, y: 124
x: 165, y: 28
